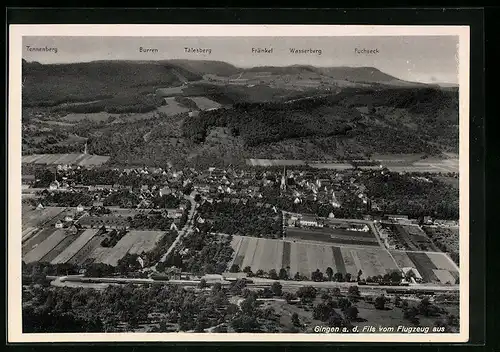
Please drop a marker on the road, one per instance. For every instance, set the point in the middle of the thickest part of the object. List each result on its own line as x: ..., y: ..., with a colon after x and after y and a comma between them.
x: 79, y: 280
x: 188, y: 227
x: 331, y: 284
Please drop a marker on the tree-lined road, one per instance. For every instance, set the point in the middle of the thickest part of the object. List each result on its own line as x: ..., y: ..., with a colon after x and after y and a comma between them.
x: 256, y: 283
x: 188, y: 227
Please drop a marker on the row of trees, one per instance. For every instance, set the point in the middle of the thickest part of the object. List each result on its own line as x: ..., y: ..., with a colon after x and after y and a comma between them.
x: 112, y: 238
x: 150, y: 221
x: 394, y: 277
x: 65, y: 199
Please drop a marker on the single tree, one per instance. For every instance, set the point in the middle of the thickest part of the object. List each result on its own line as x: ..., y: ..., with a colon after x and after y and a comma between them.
x: 317, y: 275
x: 338, y: 277
x: 295, y: 320
x: 411, y: 314
x: 276, y: 287
x: 344, y: 303
x: 321, y: 312
x: 266, y: 293
x: 248, y: 305
x: 351, y: 313
x: 335, y: 320
x: 288, y: 296
x: 247, y: 269
x: 353, y: 291
x: 396, y: 277
x: 245, y: 323
x: 380, y: 302
x: 397, y: 301
x: 235, y: 268
x: 273, y: 274
x: 306, y: 293
x: 283, y: 274
x: 329, y: 273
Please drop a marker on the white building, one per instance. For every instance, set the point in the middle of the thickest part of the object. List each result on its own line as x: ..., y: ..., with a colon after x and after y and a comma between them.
x: 412, y: 273
x: 308, y: 221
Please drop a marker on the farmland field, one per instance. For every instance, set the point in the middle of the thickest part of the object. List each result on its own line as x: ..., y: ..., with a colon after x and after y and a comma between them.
x: 446, y: 238
x: 61, y: 246
x: 172, y: 108
x: 332, y: 235
x: 134, y: 242
x: 267, y: 254
x: 204, y: 103
x: 414, y: 238
x: 33, y: 217
x: 433, y: 267
x: 415, y: 163
x: 42, y: 249
x: 274, y: 162
x: 165, y: 92
x: 86, y: 251
x: 28, y: 232
x: 74, y: 247
x: 37, y: 239
x: 94, y: 116
x: 72, y: 159
x: 331, y: 166
x: 396, y: 163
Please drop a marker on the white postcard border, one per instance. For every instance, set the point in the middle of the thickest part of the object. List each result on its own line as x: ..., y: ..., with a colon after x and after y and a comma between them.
x: 14, y: 173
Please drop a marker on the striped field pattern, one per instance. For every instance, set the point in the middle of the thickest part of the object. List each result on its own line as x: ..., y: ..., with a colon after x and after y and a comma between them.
x: 304, y: 258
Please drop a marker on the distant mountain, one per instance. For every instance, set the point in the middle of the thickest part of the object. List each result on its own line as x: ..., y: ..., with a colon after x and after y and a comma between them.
x: 52, y: 84
x: 447, y: 85
x: 292, y: 112
x: 360, y: 75
x: 202, y: 67
x: 282, y: 70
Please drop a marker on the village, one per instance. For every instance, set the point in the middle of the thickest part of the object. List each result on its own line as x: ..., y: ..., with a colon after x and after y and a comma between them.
x: 100, y: 215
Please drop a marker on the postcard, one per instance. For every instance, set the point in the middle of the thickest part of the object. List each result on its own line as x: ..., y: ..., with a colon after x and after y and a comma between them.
x: 238, y: 183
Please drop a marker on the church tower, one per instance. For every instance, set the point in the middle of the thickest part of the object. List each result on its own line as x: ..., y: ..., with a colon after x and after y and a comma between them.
x: 283, y: 180
x: 85, y: 150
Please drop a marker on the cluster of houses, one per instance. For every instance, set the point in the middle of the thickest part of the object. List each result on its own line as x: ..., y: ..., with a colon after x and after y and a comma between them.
x: 222, y: 184
x: 300, y: 186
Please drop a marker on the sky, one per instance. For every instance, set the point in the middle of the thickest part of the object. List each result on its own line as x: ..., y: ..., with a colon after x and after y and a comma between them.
x: 428, y: 59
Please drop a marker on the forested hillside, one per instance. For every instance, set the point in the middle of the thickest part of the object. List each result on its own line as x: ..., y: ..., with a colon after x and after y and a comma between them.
x: 261, y: 120
x: 51, y: 85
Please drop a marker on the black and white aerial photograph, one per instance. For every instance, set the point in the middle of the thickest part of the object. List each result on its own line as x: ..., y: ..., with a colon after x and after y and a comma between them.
x: 225, y: 185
